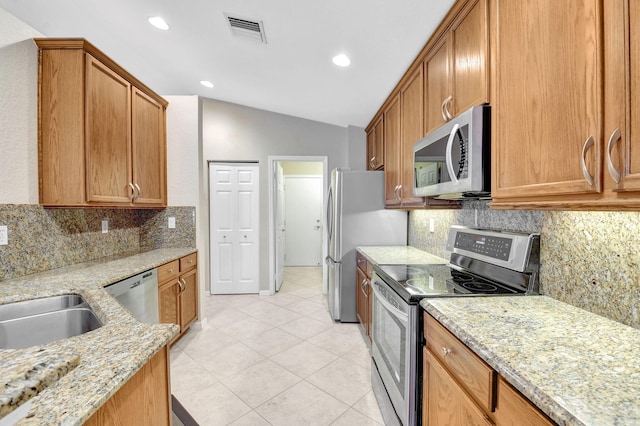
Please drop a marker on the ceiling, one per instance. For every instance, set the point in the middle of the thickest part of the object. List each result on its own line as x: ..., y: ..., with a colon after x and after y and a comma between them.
x: 291, y: 74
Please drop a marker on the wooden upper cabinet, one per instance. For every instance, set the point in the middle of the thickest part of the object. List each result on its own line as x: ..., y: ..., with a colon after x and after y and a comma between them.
x: 107, y: 134
x: 392, y: 150
x: 375, y: 145
x: 101, y: 132
x: 622, y: 103
x: 456, y: 76
x: 411, y: 130
x: 148, y: 149
x: 547, y: 92
x: 436, y: 69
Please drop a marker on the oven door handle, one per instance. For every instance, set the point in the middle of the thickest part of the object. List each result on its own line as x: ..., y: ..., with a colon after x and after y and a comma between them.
x: 395, y: 311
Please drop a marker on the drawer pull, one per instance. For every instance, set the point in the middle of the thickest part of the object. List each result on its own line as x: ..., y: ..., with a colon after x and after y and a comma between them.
x: 445, y: 351
x: 171, y: 270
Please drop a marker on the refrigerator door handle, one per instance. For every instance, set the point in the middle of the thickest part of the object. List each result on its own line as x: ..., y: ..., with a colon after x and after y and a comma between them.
x: 329, y: 261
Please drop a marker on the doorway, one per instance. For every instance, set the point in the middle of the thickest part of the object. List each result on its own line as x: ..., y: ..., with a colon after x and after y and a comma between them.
x: 296, y: 212
x: 234, y: 228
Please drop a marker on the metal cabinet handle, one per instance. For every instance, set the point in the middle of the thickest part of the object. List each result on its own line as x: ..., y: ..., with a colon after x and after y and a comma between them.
x: 587, y: 144
x: 171, y: 271
x: 445, y: 351
x: 398, y: 195
x: 447, y: 102
x: 133, y: 192
x: 363, y: 286
x: 615, y: 137
x: 139, y: 190
x: 444, y: 115
x: 190, y: 260
x: 183, y: 285
x: 372, y: 162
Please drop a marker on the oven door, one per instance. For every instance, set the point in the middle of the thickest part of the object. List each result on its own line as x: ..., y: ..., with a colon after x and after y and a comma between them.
x: 392, y: 339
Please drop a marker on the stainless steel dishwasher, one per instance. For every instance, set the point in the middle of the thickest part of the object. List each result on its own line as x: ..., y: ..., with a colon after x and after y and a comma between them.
x: 139, y: 294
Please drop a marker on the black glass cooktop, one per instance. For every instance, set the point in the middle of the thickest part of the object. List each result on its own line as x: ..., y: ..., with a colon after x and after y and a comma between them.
x: 414, y: 282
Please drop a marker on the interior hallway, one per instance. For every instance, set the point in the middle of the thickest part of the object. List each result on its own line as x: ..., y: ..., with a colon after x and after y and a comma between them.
x: 274, y: 360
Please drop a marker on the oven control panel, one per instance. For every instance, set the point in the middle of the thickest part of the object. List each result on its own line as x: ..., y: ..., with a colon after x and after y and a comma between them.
x: 486, y: 245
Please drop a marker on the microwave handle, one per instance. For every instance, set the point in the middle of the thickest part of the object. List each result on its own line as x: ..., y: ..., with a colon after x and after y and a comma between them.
x: 448, y: 159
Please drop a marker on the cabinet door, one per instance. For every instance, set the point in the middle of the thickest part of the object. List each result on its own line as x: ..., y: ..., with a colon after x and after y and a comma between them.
x: 189, y: 298
x: 411, y: 116
x: 362, y: 299
x: 148, y: 149
x: 445, y: 403
x: 470, y: 38
x: 146, y: 397
x: 512, y: 409
x: 622, y: 104
x: 436, y: 69
x: 107, y: 134
x: 547, y: 98
x: 392, y: 151
x: 371, y: 149
x: 168, y: 302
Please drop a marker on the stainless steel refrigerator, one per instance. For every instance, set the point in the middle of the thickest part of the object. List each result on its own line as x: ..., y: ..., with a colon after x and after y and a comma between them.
x: 356, y: 217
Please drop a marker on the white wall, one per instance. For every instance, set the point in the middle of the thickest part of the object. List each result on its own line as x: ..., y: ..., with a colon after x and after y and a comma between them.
x: 236, y: 133
x: 18, y: 111
x: 357, y: 143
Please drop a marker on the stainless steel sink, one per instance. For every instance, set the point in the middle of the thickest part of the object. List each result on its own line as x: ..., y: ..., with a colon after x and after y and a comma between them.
x: 41, y: 321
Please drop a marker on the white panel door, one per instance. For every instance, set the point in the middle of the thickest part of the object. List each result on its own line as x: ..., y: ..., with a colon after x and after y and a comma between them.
x: 234, y: 236
x: 280, y: 226
x: 303, y: 244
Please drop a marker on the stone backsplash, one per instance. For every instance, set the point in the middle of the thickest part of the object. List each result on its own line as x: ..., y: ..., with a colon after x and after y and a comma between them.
x: 41, y: 239
x: 589, y: 259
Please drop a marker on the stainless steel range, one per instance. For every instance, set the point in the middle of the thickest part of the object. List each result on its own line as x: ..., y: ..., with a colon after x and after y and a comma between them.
x: 482, y: 263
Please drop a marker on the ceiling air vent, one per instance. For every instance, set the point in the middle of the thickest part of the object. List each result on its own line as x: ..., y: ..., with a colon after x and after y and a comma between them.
x: 247, y: 28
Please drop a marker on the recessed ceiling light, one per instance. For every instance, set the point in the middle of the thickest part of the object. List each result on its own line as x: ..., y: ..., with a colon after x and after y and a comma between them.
x: 342, y: 60
x: 206, y: 83
x: 159, y: 22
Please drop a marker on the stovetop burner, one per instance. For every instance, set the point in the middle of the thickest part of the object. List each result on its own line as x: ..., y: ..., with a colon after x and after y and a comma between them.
x: 479, y: 287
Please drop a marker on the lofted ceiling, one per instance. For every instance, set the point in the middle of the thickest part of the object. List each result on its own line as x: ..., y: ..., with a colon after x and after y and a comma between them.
x: 291, y: 74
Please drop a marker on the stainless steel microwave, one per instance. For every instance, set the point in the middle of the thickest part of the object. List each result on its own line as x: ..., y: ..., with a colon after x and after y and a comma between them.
x: 454, y: 161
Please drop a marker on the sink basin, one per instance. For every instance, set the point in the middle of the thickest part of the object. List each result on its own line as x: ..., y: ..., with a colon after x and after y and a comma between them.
x: 41, y: 321
x: 38, y: 306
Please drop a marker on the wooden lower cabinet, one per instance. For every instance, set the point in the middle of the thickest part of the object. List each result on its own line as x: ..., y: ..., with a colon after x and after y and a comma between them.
x: 178, y: 292
x: 459, y: 388
x: 513, y: 409
x: 144, y: 400
x: 363, y: 296
x: 444, y: 401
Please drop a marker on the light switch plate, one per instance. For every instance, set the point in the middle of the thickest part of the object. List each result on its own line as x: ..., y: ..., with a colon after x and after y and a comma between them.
x: 172, y: 222
x: 432, y: 225
x: 4, y: 235
x: 105, y: 226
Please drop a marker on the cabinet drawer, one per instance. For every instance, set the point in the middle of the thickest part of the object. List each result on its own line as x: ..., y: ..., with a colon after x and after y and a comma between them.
x: 168, y: 271
x: 364, y: 264
x: 466, y: 367
x: 189, y: 261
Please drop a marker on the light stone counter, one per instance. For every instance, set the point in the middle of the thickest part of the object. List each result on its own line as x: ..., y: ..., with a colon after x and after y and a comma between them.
x: 399, y: 255
x: 68, y: 380
x: 577, y: 367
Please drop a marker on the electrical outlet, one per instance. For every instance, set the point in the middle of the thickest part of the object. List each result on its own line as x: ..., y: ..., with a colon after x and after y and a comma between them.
x: 105, y: 226
x: 172, y: 222
x: 4, y: 235
x: 432, y: 225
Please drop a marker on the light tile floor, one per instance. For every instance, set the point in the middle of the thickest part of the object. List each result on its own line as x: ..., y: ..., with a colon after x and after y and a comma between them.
x: 274, y: 360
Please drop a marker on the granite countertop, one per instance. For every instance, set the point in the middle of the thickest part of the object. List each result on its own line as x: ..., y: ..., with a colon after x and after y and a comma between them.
x: 399, y: 255
x: 68, y: 380
x: 577, y: 367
